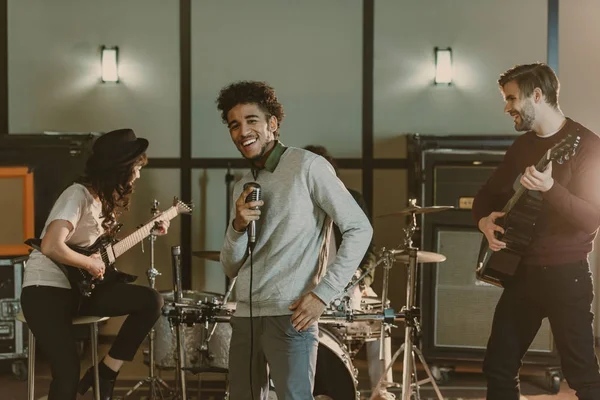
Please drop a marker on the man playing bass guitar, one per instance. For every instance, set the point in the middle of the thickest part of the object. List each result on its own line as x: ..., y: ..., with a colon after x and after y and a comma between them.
x: 552, y: 279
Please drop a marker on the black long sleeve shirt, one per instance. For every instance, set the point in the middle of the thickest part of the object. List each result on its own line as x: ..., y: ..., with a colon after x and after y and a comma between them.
x: 570, y: 216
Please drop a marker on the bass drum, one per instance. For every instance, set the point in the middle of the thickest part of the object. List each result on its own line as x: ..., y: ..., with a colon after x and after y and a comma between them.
x: 165, y: 346
x: 335, y: 377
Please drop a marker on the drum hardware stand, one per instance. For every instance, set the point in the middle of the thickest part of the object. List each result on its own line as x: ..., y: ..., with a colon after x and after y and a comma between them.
x: 154, y: 382
x: 229, y: 178
x: 225, y: 299
x: 343, y: 303
x: 179, y: 325
x: 361, y: 277
x: 410, y: 383
x: 204, y: 349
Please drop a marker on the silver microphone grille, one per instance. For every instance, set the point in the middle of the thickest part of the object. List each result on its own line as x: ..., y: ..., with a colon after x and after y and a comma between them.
x: 256, y: 193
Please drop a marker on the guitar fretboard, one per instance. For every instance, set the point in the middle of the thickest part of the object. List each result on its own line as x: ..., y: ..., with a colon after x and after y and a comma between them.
x: 541, y: 166
x: 134, y: 238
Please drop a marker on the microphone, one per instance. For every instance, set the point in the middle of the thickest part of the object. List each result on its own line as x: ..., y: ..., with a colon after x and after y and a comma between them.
x: 176, y: 263
x: 254, y: 196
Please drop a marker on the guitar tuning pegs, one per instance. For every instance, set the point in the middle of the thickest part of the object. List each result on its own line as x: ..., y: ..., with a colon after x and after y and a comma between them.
x: 567, y: 156
x: 560, y: 160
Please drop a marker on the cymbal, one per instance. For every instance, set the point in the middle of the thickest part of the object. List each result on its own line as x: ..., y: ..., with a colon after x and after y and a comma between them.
x: 422, y: 256
x: 417, y: 210
x: 208, y: 255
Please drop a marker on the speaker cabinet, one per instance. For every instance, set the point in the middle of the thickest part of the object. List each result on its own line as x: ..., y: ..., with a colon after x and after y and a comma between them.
x: 456, y: 308
x: 54, y: 160
x: 459, y: 308
x: 16, y: 210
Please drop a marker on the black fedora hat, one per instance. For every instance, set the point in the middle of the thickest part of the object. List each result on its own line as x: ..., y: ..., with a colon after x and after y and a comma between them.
x: 116, y: 148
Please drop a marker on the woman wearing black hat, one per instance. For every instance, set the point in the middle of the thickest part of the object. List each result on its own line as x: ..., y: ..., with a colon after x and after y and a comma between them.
x: 84, y: 211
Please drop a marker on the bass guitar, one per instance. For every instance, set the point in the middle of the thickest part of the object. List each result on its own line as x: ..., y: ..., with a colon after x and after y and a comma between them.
x: 521, y: 212
x: 109, y: 249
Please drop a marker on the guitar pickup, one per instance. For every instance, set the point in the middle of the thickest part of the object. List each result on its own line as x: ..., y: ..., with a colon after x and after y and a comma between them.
x: 110, y: 254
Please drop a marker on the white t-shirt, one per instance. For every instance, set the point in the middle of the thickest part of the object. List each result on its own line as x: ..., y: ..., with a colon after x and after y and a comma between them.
x: 77, y: 206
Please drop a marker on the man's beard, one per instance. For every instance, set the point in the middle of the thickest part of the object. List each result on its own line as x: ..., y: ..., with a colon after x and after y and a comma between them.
x: 527, y: 115
x: 257, y: 157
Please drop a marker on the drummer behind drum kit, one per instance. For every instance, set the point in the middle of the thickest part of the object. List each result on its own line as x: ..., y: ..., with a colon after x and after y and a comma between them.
x: 193, y: 334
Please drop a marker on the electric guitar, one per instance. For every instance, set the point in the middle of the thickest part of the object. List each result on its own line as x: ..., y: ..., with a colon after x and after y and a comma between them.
x: 109, y: 249
x: 521, y: 212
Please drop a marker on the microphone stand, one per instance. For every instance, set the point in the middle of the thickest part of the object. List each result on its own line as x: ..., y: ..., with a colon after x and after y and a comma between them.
x: 225, y: 300
x: 179, y: 333
x: 228, y: 180
x: 412, y: 330
x: 152, y: 380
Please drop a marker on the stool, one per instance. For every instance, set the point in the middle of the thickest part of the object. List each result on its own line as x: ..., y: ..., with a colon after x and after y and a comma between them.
x: 93, y: 322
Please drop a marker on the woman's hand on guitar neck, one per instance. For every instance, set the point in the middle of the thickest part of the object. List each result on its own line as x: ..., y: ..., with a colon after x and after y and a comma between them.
x: 161, y: 225
x: 487, y: 226
x: 96, y: 266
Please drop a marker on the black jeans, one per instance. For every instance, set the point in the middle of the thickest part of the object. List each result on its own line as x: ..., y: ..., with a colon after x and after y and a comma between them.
x: 49, y: 312
x: 563, y: 294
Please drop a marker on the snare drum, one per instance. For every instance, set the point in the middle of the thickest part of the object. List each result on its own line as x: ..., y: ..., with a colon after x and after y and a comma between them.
x: 355, y: 333
x: 196, y: 352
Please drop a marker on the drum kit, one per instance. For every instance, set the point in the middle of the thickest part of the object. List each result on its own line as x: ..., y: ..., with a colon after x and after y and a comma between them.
x: 193, y: 332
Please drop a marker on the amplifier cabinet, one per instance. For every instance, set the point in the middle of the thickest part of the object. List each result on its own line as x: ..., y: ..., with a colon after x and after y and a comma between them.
x: 457, y: 309
x: 12, y: 332
x: 56, y: 160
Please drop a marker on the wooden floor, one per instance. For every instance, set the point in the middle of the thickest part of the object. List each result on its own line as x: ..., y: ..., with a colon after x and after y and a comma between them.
x: 466, y: 382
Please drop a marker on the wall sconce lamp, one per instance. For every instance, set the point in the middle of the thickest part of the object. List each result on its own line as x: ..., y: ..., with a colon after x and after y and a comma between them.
x: 110, y: 64
x: 443, y: 66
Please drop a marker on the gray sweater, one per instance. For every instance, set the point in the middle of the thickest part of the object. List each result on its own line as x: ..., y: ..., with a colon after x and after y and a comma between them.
x: 301, y: 195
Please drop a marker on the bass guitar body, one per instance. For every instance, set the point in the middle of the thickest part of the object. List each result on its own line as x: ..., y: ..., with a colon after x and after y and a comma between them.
x: 497, y: 267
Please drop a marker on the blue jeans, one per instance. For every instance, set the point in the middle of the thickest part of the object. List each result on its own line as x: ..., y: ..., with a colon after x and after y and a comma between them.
x: 278, y: 350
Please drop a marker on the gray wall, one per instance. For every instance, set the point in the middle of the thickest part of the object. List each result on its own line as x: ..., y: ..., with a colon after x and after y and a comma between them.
x: 311, y: 51
x: 54, y: 68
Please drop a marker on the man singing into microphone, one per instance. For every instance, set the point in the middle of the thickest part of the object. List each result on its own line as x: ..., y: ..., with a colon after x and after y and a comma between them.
x: 283, y: 287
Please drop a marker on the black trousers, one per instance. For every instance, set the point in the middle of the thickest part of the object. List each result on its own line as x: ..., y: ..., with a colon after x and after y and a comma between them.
x: 49, y: 312
x: 563, y: 294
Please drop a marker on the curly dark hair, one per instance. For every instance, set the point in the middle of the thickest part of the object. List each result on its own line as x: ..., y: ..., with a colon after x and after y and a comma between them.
x: 113, y: 187
x: 251, y: 92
